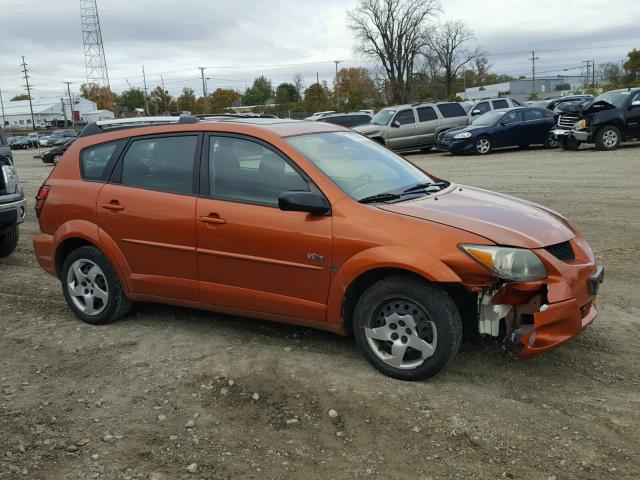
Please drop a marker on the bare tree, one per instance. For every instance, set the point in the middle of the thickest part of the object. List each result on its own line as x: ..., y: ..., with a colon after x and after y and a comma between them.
x: 393, y: 32
x: 611, y: 73
x: 297, y: 82
x: 448, y: 45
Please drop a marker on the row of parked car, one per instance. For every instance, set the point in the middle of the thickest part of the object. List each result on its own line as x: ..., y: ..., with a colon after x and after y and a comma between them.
x: 484, y: 125
x: 35, y: 139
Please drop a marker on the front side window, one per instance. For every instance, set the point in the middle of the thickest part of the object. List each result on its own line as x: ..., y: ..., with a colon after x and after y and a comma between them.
x: 357, y: 165
x: 449, y: 110
x: 161, y: 163
x: 479, y: 109
x: 383, y: 116
x: 246, y: 171
x: 94, y: 161
x: 405, y: 117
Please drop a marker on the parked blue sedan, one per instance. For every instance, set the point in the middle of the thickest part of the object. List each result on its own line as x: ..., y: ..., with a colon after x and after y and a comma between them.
x: 511, y: 127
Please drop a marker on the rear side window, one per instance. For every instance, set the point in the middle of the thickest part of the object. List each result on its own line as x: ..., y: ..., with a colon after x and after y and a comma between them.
x: 426, y: 114
x: 405, y: 117
x: 533, y: 115
x: 449, y: 110
x: 498, y: 104
x: 161, y: 163
x: 94, y: 161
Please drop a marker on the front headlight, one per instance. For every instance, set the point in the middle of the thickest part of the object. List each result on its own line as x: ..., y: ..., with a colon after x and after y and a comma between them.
x: 516, y: 264
x: 462, y: 135
x: 10, y: 178
x: 580, y: 125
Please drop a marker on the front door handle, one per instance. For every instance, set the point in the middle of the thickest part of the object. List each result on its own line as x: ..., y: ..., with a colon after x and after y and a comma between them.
x: 214, y: 219
x: 113, y: 206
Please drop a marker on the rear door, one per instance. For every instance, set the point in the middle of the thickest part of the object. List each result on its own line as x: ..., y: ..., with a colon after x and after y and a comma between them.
x: 453, y: 115
x: 535, y: 126
x: 148, y: 209
x: 428, y: 124
x: 401, y: 132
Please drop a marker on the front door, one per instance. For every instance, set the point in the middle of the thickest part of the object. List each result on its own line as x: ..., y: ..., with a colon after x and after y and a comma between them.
x: 402, y: 131
x: 510, y: 132
x: 149, y: 211
x: 252, y: 255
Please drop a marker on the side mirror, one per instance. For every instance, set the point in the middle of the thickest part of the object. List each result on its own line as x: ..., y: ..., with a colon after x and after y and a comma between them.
x: 395, y: 123
x: 301, y: 201
x: 475, y: 112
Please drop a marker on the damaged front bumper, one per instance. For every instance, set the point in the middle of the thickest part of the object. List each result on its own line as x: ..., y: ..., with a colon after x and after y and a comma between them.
x: 581, y: 135
x: 540, y: 316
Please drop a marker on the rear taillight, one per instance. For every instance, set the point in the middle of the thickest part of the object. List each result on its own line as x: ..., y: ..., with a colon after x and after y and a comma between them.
x: 41, y: 198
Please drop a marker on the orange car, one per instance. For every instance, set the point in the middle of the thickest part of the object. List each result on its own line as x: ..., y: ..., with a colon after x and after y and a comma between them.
x: 307, y: 223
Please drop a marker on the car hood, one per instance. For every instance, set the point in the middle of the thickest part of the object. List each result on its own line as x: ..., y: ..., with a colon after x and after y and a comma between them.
x: 587, y: 106
x: 369, y: 129
x: 500, y: 218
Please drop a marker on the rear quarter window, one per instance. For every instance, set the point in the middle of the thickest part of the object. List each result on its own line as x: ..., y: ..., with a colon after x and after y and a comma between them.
x: 94, y: 161
x: 449, y: 110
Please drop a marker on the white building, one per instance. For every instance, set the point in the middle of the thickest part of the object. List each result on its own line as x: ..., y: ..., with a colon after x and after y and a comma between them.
x: 97, y: 115
x: 46, y: 113
x: 520, y: 89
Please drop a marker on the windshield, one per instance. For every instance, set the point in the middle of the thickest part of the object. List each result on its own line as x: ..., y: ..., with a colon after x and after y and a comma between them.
x: 614, y: 98
x: 383, y: 117
x: 359, y: 166
x: 489, y: 118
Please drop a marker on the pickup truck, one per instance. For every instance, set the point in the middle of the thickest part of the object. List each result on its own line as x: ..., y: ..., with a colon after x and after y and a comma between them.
x: 12, y: 202
x: 607, y: 120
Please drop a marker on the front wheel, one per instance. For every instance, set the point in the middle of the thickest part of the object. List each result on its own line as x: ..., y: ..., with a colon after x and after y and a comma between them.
x: 407, y: 328
x: 607, y: 138
x: 91, y: 287
x: 9, y: 241
x: 483, y: 145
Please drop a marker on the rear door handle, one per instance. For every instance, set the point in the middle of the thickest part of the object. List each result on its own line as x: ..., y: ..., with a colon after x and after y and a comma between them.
x: 213, y: 218
x: 113, y: 206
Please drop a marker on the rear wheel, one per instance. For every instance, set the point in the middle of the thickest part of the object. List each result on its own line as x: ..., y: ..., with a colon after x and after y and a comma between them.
x: 551, y: 140
x: 483, y: 145
x: 9, y: 241
x: 608, y: 138
x: 407, y: 328
x: 91, y: 287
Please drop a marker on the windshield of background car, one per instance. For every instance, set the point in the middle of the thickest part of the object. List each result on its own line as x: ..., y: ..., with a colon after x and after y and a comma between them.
x: 489, y: 118
x: 614, y: 98
x: 359, y: 166
x: 383, y: 117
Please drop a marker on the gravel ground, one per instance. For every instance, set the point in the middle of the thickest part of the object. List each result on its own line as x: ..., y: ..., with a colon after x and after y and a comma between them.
x: 172, y: 393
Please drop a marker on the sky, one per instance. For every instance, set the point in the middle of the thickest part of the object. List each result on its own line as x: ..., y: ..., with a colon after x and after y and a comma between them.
x: 237, y: 40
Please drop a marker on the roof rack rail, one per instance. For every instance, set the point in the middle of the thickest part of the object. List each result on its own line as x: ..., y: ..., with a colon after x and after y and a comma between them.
x: 236, y: 115
x: 102, y: 126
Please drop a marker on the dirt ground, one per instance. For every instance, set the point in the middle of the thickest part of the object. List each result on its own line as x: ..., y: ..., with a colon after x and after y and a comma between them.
x: 168, y: 387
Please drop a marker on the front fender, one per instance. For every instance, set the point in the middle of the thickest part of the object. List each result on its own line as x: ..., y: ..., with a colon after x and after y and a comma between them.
x: 396, y: 257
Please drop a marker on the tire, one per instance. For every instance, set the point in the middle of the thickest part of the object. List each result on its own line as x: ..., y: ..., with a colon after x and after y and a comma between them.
x: 9, y: 241
x: 551, y: 140
x: 56, y: 158
x: 608, y: 138
x: 387, y: 309
x: 484, y: 145
x: 78, y: 274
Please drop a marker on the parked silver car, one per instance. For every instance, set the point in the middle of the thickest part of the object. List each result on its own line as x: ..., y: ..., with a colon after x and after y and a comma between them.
x: 414, y: 126
x: 480, y: 107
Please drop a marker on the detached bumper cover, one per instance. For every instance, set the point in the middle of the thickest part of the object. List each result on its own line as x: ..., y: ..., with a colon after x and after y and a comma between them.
x: 582, y: 135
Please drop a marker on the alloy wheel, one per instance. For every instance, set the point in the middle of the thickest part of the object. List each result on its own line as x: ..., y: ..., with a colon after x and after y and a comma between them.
x: 401, y: 334
x: 483, y: 145
x: 609, y: 138
x: 87, y: 287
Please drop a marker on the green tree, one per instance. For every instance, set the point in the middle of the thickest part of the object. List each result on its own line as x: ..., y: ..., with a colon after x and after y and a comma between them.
x: 632, y: 66
x: 316, y: 98
x: 17, y: 98
x: 222, y: 99
x: 186, y: 102
x: 355, y: 87
x: 259, y: 92
x: 131, y: 98
x: 160, y: 100
x: 286, y: 93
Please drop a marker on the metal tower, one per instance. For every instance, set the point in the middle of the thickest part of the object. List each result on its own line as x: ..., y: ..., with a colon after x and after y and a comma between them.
x: 94, y: 58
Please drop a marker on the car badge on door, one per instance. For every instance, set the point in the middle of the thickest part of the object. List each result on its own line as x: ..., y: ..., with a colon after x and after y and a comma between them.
x: 315, y: 257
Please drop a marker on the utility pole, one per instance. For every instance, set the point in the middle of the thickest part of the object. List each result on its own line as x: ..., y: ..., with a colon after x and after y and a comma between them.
x: 593, y: 73
x: 26, y: 80
x: 586, y: 77
x: 2, y: 105
x: 319, y: 89
x: 164, y: 104
x: 64, y: 111
x: 146, y: 93
x: 533, y: 71
x: 73, y: 119
x: 204, y: 89
x: 336, y: 87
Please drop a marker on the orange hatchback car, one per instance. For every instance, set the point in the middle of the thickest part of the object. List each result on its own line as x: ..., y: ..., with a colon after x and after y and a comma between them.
x: 307, y: 223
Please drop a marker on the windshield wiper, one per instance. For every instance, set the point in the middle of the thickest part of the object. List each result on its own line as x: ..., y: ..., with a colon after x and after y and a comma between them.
x: 424, y: 186
x: 380, y: 197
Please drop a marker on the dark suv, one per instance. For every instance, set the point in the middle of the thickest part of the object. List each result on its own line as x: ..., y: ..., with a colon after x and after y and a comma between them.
x: 12, y: 203
x: 607, y: 120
